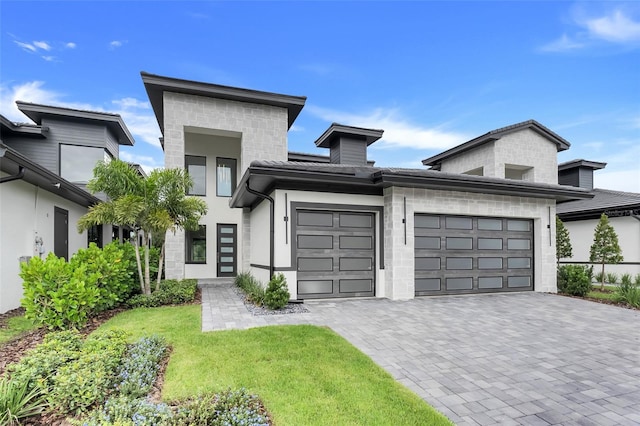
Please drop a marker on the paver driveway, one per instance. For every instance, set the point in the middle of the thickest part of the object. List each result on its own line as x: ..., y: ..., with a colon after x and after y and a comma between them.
x: 520, y: 358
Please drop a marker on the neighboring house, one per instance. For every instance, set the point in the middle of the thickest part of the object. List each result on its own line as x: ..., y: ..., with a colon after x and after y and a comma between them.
x: 581, y: 216
x: 480, y: 221
x: 44, y: 168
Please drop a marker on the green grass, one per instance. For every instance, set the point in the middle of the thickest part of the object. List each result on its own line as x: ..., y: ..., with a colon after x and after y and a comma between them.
x: 601, y: 296
x: 596, y: 286
x: 15, y: 327
x: 305, y: 375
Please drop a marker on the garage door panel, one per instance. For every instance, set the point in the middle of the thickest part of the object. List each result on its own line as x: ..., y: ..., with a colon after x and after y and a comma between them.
x: 336, y: 260
x: 456, y: 254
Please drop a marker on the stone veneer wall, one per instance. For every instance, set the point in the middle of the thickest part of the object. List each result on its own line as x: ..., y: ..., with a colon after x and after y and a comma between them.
x: 399, y: 257
x: 263, y: 132
x: 522, y: 148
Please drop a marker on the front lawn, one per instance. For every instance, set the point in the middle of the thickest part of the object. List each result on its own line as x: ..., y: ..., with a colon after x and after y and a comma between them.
x: 14, y: 326
x: 304, y: 374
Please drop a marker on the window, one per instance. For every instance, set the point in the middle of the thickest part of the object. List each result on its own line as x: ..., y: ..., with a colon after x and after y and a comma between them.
x: 77, y: 162
x: 197, y: 169
x: 115, y: 233
x: 225, y: 176
x: 94, y: 235
x: 196, y: 245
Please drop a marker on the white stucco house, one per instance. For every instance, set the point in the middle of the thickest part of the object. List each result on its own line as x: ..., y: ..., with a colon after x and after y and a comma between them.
x: 480, y: 219
x: 44, y: 168
x: 581, y: 216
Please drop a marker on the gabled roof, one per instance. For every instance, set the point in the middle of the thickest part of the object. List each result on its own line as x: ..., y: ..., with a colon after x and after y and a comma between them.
x: 156, y: 85
x: 337, y: 130
x: 25, y: 129
x: 10, y: 162
x: 594, y: 165
x: 494, y: 135
x: 264, y: 176
x: 604, y: 200
x: 114, y: 122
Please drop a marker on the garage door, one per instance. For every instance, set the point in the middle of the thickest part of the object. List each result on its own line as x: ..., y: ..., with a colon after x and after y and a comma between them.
x: 463, y: 254
x: 335, y: 253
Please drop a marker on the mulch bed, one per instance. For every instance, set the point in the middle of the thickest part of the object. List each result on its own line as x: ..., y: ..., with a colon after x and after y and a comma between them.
x: 13, y: 350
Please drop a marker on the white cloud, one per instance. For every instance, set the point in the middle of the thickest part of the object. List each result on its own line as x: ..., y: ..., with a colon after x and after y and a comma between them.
x: 70, y: 45
x: 25, y: 46
x: 148, y: 163
x: 623, y: 180
x: 398, y: 132
x: 49, y: 58
x: 42, y: 45
x: 115, y: 44
x: 136, y: 114
x: 615, y: 27
x: 296, y: 128
x: 562, y: 44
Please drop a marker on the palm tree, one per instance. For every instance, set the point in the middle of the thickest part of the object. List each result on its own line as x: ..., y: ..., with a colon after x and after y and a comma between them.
x: 154, y: 205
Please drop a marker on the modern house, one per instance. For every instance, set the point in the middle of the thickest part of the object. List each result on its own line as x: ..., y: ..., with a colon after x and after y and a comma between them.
x: 581, y: 216
x: 479, y: 220
x: 44, y: 168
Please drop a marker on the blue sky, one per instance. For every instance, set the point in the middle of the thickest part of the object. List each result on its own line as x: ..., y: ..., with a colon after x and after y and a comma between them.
x: 431, y: 74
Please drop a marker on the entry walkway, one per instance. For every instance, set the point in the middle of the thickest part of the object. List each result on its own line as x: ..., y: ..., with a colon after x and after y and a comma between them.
x: 508, y: 359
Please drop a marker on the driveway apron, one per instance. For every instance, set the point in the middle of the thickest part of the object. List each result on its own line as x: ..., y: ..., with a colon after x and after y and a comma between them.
x: 509, y: 359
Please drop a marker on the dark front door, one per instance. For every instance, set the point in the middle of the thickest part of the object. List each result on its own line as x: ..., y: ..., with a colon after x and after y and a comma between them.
x: 61, y: 233
x: 226, y: 251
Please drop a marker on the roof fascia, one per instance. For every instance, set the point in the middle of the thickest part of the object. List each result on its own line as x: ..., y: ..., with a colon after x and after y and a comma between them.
x: 594, y: 165
x: 156, y: 85
x: 28, y: 130
x: 37, y: 112
x: 336, y: 129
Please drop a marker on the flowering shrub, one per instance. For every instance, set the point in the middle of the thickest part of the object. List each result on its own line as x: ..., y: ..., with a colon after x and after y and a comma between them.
x: 124, y: 410
x: 140, y: 367
x: 229, y: 408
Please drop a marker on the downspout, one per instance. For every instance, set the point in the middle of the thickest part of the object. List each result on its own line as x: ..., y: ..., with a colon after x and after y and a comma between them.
x: 20, y: 175
x: 271, y: 225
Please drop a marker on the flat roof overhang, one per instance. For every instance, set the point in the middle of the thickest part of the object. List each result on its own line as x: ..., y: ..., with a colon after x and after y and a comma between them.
x: 156, y: 85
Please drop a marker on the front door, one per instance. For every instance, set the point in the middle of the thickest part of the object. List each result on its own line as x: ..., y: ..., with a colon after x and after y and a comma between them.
x: 61, y: 233
x: 226, y: 250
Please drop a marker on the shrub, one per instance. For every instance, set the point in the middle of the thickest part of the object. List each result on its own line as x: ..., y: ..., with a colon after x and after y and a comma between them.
x: 598, y: 277
x: 38, y: 366
x: 171, y: 292
x: 574, y: 280
x: 18, y: 402
x: 227, y: 408
x: 127, y: 411
x: 83, y: 382
x: 628, y: 291
x: 612, y: 278
x: 276, y: 296
x: 57, y: 294
x: 140, y: 367
x: 114, y: 273
x: 251, y: 287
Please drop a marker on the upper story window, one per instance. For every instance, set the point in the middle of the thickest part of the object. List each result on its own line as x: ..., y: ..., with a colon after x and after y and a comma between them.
x: 515, y: 172
x: 77, y: 162
x: 197, y: 169
x: 225, y: 176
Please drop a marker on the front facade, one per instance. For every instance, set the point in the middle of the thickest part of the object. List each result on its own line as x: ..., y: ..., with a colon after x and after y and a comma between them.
x: 44, y: 168
x: 337, y: 226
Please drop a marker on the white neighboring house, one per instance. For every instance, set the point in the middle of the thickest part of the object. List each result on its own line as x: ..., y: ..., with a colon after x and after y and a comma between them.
x: 44, y: 168
x: 581, y: 217
x: 480, y: 220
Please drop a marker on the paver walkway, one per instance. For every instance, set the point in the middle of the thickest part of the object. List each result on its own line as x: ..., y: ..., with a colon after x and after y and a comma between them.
x: 508, y: 359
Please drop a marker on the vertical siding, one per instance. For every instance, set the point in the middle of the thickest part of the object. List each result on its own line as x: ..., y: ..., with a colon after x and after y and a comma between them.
x: 334, y: 153
x: 569, y: 177
x: 586, y: 178
x: 113, y: 147
x: 353, y: 152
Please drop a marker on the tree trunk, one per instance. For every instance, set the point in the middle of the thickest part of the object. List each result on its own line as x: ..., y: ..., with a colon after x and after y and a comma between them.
x: 139, y: 262
x: 147, y: 278
x: 160, y: 265
x: 602, y: 280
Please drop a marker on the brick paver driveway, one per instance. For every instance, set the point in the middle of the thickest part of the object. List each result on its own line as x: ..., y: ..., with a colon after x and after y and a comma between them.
x: 525, y: 358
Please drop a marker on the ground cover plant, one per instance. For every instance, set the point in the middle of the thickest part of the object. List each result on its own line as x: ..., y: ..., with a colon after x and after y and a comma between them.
x: 304, y: 374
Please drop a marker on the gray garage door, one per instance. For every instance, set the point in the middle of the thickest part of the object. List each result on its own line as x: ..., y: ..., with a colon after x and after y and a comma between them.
x: 464, y: 254
x: 335, y: 253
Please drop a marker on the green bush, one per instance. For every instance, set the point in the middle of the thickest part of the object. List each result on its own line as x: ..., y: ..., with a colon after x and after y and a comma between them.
x: 171, y: 292
x: 57, y: 294
x: 227, y: 408
x: 612, y: 278
x: 628, y: 291
x: 251, y: 287
x: 124, y: 411
x: 85, y: 381
x: 276, y: 296
x: 574, y: 280
x: 113, y: 269
x: 598, y: 277
x: 18, y: 402
x: 140, y: 367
